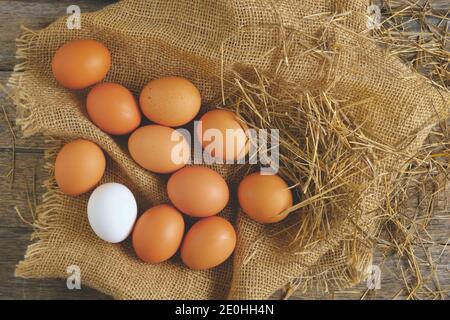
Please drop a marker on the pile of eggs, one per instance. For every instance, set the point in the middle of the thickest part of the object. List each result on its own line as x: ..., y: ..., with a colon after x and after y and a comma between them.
x: 195, y: 191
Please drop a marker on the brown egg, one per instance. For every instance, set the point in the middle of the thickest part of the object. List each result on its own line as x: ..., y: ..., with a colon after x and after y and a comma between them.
x: 159, y: 149
x: 81, y: 63
x: 79, y: 166
x: 223, y: 135
x: 264, y: 197
x: 198, y: 191
x: 170, y: 101
x: 113, y: 108
x: 208, y: 243
x: 158, y: 233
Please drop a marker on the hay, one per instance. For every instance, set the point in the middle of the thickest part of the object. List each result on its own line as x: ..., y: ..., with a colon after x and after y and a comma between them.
x: 418, y: 34
x: 320, y: 147
x: 312, y: 77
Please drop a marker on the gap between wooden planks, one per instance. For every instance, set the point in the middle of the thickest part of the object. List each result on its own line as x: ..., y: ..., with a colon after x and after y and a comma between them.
x: 27, y: 188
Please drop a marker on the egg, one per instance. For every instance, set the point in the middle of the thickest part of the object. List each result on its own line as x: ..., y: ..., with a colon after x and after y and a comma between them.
x: 113, y: 108
x: 79, y: 166
x: 198, y: 191
x: 208, y: 243
x: 159, y: 149
x: 158, y: 233
x: 170, y: 101
x: 223, y: 135
x: 264, y: 197
x: 81, y: 63
x: 112, y: 211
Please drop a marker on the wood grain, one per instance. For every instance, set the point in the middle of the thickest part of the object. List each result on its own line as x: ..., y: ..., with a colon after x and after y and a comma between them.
x: 30, y: 173
x: 34, y: 15
x: 35, y: 143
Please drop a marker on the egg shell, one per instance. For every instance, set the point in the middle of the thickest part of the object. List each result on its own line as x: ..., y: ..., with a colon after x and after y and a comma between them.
x: 79, y: 166
x: 223, y: 135
x: 158, y: 233
x: 198, y: 191
x: 159, y: 149
x: 113, y: 108
x: 264, y: 197
x: 170, y: 101
x: 112, y: 211
x: 81, y: 63
x: 208, y: 243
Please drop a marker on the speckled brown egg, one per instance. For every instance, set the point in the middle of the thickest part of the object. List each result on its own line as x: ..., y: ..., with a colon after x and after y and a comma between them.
x: 79, y: 166
x: 223, y: 135
x: 113, y: 108
x: 264, y: 197
x: 170, y: 101
x: 198, y: 191
x: 81, y: 63
x: 158, y: 233
x: 208, y: 243
x: 159, y: 149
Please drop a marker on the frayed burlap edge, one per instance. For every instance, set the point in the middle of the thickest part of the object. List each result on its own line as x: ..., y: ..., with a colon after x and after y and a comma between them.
x: 311, y: 281
x: 51, y: 200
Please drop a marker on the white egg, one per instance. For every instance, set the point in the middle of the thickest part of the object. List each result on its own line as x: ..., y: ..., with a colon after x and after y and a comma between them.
x: 112, y: 211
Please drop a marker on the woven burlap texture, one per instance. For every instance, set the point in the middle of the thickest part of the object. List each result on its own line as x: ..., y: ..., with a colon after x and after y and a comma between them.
x: 205, y: 41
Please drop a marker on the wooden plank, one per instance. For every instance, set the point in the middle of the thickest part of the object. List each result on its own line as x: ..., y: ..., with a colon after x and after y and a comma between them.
x: 34, y: 15
x: 14, y: 234
x: 421, y: 200
x: 440, y: 6
x: 38, y: 14
x: 37, y: 142
x: 31, y: 162
x: 394, y: 272
x: 17, y: 288
x: 392, y: 283
x: 26, y: 190
x: 16, y: 231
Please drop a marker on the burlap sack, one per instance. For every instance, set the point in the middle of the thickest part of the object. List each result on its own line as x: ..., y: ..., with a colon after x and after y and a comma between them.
x: 203, y: 41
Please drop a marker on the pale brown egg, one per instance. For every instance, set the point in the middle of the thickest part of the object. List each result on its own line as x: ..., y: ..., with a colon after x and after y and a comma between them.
x: 264, y: 197
x: 158, y: 233
x: 170, y: 101
x: 198, y: 191
x: 159, y: 149
x: 223, y: 135
x: 113, y: 108
x: 208, y: 243
x: 81, y: 63
x: 79, y: 166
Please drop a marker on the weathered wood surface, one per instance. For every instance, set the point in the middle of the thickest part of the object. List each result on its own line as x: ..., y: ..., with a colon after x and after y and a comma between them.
x: 30, y: 173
